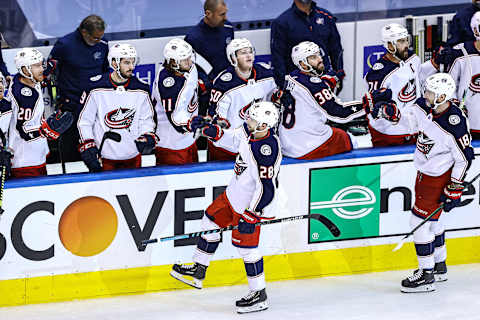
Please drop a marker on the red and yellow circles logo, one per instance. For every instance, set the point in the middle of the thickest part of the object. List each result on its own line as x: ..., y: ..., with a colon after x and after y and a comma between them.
x: 88, y: 226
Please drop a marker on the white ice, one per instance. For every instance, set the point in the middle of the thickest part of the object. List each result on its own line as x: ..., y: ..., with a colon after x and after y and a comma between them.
x: 357, y: 297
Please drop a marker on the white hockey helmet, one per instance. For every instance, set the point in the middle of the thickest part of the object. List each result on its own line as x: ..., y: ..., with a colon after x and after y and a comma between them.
x: 119, y: 51
x: 178, y: 50
x: 302, y: 51
x: 393, y: 32
x: 264, y: 112
x: 440, y: 84
x: 234, y: 46
x: 475, y: 25
x: 25, y: 58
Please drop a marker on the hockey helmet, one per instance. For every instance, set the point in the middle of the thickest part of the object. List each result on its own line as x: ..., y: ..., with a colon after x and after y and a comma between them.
x: 25, y: 58
x: 475, y: 25
x: 264, y: 112
x: 178, y: 50
x: 440, y: 84
x: 234, y: 46
x: 393, y: 32
x: 302, y: 51
x: 119, y: 51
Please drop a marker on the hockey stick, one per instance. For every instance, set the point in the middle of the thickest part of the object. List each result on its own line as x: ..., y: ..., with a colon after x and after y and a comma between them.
x: 115, y: 136
x: 4, y: 169
x: 467, y: 82
x: 402, y: 241
x: 326, y: 222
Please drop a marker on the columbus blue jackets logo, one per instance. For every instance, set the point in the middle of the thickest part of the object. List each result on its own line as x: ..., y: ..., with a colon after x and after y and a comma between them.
x: 240, y: 166
x: 408, y: 92
x: 193, y: 105
x: 120, y: 118
x: 424, y: 143
x: 475, y: 83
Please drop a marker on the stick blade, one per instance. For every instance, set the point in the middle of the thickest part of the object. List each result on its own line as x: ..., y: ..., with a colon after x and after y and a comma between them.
x: 327, y: 223
x: 115, y: 136
x: 399, y: 244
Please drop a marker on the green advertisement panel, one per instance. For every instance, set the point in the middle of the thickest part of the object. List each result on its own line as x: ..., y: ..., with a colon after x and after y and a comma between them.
x: 350, y: 197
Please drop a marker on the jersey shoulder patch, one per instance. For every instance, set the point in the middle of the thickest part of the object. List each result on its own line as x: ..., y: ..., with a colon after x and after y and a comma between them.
x: 377, y: 66
x: 226, y: 77
x: 96, y: 78
x: 25, y: 91
x: 168, y: 82
x: 266, y: 150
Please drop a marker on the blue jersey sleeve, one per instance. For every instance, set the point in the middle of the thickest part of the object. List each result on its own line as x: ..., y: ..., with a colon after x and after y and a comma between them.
x: 169, y: 93
x: 266, y: 153
x: 279, y: 51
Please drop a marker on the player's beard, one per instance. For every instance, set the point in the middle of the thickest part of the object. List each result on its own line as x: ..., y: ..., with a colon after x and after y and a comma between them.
x: 319, y: 68
x: 127, y: 75
x: 403, y: 55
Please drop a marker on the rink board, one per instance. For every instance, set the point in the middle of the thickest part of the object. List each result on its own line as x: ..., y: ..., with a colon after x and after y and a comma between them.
x: 76, y: 236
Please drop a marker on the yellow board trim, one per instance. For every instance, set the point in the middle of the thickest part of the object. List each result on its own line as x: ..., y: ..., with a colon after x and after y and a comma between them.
x: 226, y: 272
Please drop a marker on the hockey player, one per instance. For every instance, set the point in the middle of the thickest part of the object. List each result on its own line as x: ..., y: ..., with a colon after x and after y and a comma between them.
x: 117, y: 101
x: 401, y: 71
x: 176, y: 101
x: 442, y: 158
x: 235, y: 89
x: 304, y: 133
x: 247, y: 200
x: 464, y: 66
x: 28, y: 130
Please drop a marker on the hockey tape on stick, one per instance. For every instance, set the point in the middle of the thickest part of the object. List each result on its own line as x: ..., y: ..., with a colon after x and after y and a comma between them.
x: 467, y: 79
x: 324, y: 220
x: 402, y: 241
x: 2, y: 181
x: 115, y: 136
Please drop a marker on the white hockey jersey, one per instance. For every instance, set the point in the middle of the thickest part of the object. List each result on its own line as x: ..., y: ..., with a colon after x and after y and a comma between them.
x: 126, y: 109
x: 443, y: 142
x: 255, y: 180
x: 405, y: 79
x: 231, y: 94
x: 304, y: 122
x: 5, y: 115
x: 176, y: 100
x: 465, y: 70
x: 29, y: 147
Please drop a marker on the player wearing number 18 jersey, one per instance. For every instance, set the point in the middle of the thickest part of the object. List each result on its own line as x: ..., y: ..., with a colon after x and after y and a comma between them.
x: 304, y: 133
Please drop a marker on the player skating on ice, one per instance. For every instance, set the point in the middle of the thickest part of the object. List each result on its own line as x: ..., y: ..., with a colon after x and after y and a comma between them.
x: 442, y: 158
x: 248, y: 199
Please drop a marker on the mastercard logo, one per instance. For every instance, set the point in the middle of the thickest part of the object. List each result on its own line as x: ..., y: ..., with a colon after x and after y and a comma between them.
x: 88, y: 226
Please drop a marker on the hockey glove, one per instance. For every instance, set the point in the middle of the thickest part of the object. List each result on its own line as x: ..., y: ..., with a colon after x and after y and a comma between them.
x: 56, y: 124
x: 212, y: 131
x: 277, y: 96
x: 222, y: 122
x: 451, y: 196
x: 254, y: 217
x: 371, y: 98
x: 387, y: 110
x: 246, y: 227
x: 6, y: 161
x: 196, y: 122
x: 443, y: 55
x: 146, y: 143
x: 89, y: 154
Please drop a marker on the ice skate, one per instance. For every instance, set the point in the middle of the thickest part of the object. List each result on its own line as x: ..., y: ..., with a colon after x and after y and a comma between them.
x: 191, y: 274
x: 440, y: 271
x: 252, y: 302
x: 420, y: 281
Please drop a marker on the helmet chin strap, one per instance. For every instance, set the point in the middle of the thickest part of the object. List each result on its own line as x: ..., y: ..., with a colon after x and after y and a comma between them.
x: 117, y: 70
x: 30, y: 77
